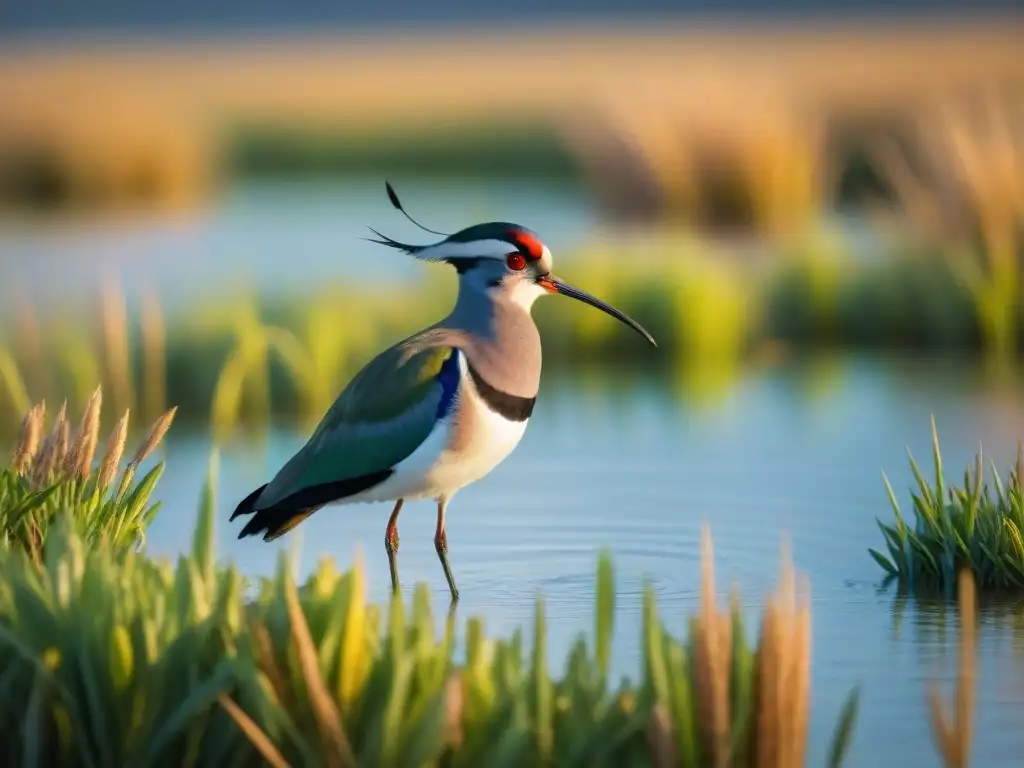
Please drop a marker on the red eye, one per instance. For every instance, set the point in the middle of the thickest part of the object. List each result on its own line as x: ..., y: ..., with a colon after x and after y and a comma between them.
x: 516, y: 261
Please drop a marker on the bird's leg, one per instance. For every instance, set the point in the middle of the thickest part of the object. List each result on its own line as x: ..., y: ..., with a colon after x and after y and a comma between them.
x: 391, y: 543
x: 441, y: 545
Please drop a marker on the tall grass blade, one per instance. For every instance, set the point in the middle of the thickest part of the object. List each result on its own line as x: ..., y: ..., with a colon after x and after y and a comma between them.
x: 335, y: 743
x: 254, y: 733
x: 843, y: 734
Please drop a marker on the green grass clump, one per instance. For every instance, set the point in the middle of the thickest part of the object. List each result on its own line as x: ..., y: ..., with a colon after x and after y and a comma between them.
x: 48, y: 476
x: 976, y: 526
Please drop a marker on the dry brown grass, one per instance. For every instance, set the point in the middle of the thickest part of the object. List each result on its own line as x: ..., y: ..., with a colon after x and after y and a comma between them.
x: 115, y: 450
x: 783, y: 664
x: 781, y: 673
x: 713, y: 662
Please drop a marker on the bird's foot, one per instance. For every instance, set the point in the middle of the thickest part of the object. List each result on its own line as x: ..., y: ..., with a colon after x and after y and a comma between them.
x: 441, y: 545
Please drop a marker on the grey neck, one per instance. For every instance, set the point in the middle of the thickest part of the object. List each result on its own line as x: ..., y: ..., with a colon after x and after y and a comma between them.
x: 503, y: 343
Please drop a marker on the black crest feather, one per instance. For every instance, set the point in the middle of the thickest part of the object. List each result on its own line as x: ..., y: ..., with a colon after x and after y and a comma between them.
x: 412, y: 250
x: 393, y: 197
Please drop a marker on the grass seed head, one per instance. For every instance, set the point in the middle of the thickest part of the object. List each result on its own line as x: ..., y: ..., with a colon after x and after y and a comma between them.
x: 114, y: 452
x: 28, y: 440
x: 156, y: 434
x: 79, y: 457
x: 46, y: 459
x: 713, y: 661
x: 62, y: 438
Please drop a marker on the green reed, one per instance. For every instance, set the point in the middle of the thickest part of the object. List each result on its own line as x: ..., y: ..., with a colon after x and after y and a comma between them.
x: 977, y: 526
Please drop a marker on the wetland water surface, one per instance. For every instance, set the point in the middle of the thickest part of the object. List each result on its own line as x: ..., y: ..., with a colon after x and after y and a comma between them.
x: 634, y: 466
x: 637, y: 467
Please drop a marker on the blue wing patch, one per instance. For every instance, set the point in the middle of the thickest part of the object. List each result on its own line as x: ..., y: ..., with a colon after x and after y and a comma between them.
x: 449, y: 379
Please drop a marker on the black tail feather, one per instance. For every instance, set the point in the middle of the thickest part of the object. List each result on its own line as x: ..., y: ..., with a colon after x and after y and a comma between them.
x: 275, y: 521
x: 247, y: 505
x: 280, y: 518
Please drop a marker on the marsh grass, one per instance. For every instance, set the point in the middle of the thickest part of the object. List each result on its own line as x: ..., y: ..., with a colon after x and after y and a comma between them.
x: 977, y: 526
x: 60, y: 471
x: 118, y: 659
x: 121, y: 659
x: 711, y: 699
x: 242, y: 360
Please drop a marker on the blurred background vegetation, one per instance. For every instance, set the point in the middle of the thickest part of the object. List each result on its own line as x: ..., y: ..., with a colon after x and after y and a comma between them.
x: 747, y: 192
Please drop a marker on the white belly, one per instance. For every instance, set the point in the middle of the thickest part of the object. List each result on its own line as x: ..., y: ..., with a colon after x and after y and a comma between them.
x: 439, y: 468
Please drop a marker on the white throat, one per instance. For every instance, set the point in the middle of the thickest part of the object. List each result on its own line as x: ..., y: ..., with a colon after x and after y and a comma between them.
x: 525, y: 293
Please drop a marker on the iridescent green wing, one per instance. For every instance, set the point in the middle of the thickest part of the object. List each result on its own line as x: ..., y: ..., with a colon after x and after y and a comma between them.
x: 383, y: 415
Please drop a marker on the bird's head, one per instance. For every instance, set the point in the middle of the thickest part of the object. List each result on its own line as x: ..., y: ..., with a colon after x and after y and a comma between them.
x: 505, y: 260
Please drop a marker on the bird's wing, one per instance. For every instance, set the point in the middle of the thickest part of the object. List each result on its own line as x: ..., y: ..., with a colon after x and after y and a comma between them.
x: 383, y: 415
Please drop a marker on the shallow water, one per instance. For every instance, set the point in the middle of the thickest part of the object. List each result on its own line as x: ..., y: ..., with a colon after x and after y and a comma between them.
x: 637, y: 466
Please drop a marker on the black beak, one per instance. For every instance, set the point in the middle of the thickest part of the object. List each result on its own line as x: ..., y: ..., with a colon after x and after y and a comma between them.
x: 552, y: 284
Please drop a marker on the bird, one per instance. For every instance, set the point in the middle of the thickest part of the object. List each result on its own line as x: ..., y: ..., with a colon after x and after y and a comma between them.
x: 440, y: 409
